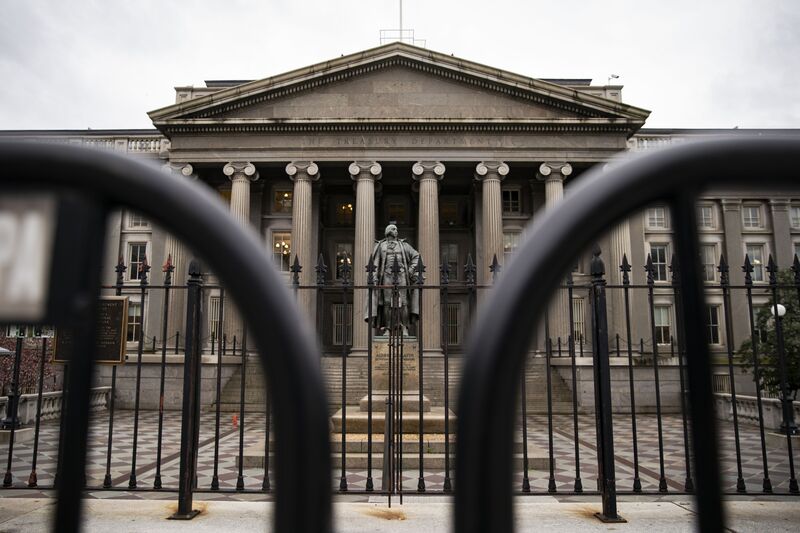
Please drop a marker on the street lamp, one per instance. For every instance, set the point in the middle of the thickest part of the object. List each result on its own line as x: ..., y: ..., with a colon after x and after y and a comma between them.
x: 788, y: 425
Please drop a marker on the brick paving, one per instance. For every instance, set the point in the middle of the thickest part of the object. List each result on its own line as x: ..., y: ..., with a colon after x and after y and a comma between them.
x: 563, y: 451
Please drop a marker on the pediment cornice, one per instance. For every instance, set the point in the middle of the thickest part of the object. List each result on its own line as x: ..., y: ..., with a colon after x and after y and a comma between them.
x: 586, y: 110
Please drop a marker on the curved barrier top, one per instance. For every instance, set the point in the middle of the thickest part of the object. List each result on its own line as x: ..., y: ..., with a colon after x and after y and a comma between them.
x: 286, y: 347
x: 500, y: 339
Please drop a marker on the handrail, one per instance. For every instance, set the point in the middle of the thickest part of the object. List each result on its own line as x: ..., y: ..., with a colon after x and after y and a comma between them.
x: 192, y: 213
x: 502, y: 334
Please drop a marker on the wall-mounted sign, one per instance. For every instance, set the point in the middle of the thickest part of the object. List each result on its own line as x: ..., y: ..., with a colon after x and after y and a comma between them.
x: 111, y: 334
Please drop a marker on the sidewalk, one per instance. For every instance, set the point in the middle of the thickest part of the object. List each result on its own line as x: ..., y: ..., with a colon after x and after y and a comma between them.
x: 427, y: 514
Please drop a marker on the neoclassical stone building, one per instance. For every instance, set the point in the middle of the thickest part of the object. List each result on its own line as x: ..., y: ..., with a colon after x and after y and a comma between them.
x: 460, y: 155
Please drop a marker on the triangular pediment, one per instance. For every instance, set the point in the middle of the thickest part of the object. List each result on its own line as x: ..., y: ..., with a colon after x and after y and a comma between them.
x: 397, y: 84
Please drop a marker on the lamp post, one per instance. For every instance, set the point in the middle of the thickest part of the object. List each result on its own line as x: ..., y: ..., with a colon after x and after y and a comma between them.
x: 12, y: 420
x: 788, y: 425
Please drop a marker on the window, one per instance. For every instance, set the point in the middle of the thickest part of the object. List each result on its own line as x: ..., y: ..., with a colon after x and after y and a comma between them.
x: 751, y: 217
x: 705, y: 217
x: 282, y: 201
x: 755, y: 252
x: 578, y: 320
x: 510, y: 244
x: 134, y: 321
x: 344, y: 213
x: 282, y: 250
x: 511, y: 203
x: 397, y: 211
x: 663, y: 324
x: 708, y: 258
x: 657, y: 218
x: 658, y: 255
x: 712, y: 324
x: 344, y: 256
x: 794, y: 216
x: 452, y: 328
x: 137, y: 221
x: 449, y: 252
x: 449, y: 212
x: 137, y: 257
x: 342, y: 324
x: 213, y: 318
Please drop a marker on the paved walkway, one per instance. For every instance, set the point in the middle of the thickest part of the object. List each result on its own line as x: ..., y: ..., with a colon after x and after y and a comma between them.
x: 563, y: 450
x: 428, y: 514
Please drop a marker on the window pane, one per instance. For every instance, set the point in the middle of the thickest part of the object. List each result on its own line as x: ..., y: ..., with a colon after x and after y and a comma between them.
x: 705, y: 216
x: 751, y: 216
x: 342, y: 324
x: 511, y: 203
x: 344, y: 256
x: 713, y: 324
x: 663, y: 324
x: 449, y: 212
x: 344, y: 214
x: 756, y: 254
x: 449, y: 253
x: 137, y: 254
x: 136, y: 220
x: 708, y: 257
x: 453, y: 329
x: 134, y: 321
x: 510, y: 244
x: 578, y: 322
x: 794, y: 215
x: 398, y: 212
x: 282, y: 250
x: 658, y: 255
x: 657, y: 217
x: 282, y: 201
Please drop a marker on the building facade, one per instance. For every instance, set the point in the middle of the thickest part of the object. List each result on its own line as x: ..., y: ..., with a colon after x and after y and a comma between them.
x: 459, y: 155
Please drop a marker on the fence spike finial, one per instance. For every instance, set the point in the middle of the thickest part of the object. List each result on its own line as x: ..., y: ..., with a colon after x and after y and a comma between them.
x: 747, y: 268
x: 321, y: 270
x: 723, y: 270
x: 444, y: 271
x: 597, y: 267
x: 144, y: 268
x: 625, y: 267
x: 469, y: 271
x: 495, y: 268
x: 650, y: 269
x: 772, y: 268
x: 295, y: 269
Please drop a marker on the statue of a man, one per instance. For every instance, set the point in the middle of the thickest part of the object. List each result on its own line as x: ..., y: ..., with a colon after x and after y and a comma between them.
x: 395, y: 261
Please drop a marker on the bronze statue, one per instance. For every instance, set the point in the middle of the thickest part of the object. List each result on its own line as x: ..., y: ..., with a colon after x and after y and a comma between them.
x: 395, y: 261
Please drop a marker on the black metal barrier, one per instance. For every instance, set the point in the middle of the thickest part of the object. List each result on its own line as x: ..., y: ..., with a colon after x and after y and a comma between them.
x: 92, y: 183
x: 499, y: 342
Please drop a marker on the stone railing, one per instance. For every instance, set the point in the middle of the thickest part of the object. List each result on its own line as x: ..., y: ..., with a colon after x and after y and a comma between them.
x: 51, y: 404
x: 747, y: 410
x: 649, y: 142
x: 140, y: 144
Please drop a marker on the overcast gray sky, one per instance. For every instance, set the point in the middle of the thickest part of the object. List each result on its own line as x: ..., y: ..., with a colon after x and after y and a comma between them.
x: 105, y: 63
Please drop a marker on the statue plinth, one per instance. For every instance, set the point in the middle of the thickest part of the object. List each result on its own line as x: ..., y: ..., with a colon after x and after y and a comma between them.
x: 380, y: 375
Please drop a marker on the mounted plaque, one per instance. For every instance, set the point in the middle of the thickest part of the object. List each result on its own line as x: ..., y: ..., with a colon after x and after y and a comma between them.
x: 112, y: 328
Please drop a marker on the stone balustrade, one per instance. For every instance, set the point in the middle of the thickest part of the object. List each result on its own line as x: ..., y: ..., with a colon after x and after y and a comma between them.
x: 747, y: 410
x: 51, y: 404
x: 148, y: 144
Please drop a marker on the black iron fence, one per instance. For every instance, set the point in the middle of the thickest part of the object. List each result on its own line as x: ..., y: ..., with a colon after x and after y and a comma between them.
x: 401, y: 439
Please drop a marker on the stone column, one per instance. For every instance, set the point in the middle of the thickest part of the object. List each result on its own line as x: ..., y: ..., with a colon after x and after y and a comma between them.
x: 241, y: 175
x: 365, y: 174
x: 428, y: 174
x: 734, y: 255
x: 490, y: 174
x: 781, y: 230
x: 553, y: 175
x: 303, y: 174
x: 175, y: 250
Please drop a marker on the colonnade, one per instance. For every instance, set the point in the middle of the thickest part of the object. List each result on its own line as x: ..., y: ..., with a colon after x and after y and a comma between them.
x: 428, y: 175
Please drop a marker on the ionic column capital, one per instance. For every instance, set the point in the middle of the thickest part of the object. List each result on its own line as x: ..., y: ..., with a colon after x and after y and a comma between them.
x: 184, y: 169
x: 361, y: 170
x: 303, y: 170
x: 428, y: 170
x: 554, y: 171
x: 240, y: 170
x: 489, y: 170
